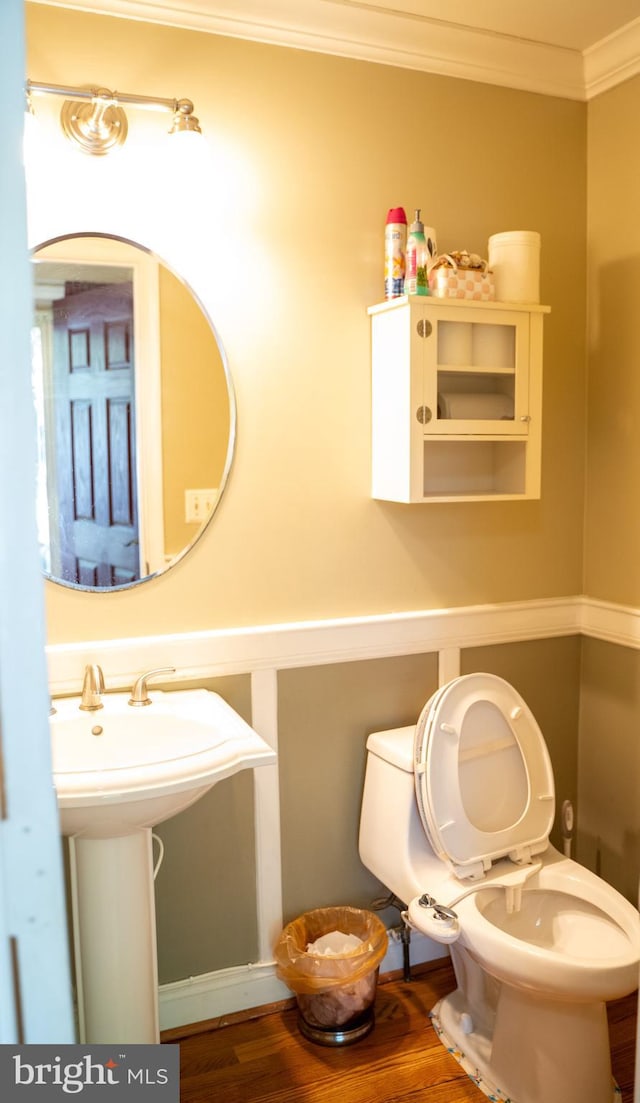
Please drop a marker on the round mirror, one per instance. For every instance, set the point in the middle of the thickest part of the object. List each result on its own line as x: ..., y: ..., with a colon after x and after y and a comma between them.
x: 135, y: 412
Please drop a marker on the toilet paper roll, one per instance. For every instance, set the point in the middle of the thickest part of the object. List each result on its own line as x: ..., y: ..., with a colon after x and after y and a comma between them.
x: 475, y: 407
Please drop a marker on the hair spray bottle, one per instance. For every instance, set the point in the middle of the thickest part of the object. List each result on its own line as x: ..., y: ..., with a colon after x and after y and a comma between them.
x: 395, y: 246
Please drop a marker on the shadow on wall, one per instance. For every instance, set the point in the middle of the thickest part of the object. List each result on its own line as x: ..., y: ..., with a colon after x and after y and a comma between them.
x: 612, y: 532
x: 618, y: 867
x: 609, y: 756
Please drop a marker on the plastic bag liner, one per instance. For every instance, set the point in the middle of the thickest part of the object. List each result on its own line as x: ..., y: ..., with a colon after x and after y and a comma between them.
x: 307, y: 973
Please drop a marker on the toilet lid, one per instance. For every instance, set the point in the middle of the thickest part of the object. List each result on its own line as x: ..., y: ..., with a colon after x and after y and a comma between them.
x: 483, y: 775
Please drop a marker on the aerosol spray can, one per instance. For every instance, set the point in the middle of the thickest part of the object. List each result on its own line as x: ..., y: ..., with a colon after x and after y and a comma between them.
x: 395, y: 245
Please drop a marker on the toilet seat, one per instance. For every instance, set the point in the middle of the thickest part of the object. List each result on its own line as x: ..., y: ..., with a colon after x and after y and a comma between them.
x: 483, y: 777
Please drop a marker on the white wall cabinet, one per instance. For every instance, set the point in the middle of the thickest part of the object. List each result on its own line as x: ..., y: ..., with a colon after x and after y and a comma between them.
x: 456, y: 400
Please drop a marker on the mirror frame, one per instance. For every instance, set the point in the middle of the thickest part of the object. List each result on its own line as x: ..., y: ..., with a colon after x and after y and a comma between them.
x: 230, y: 452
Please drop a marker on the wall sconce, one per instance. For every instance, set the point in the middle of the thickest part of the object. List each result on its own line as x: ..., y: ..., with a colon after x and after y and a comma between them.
x: 95, y: 121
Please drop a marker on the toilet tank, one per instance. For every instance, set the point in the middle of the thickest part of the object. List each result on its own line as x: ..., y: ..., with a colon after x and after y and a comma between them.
x: 392, y: 843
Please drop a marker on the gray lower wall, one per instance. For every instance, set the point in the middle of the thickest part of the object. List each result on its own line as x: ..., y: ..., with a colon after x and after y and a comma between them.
x: 609, y: 757
x: 583, y: 693
x: 205, y: 889
x: 325, y: 716
x: 546, y: 673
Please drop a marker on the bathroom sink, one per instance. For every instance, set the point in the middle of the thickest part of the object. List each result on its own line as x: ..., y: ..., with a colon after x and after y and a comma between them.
x: 119, y: 768
x: 118, y: 771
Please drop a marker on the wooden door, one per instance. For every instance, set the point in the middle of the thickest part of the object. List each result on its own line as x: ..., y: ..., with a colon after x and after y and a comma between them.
x: 93, y: 379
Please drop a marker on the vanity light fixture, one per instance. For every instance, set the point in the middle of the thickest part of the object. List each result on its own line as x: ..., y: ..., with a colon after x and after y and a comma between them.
x: 94, y: 119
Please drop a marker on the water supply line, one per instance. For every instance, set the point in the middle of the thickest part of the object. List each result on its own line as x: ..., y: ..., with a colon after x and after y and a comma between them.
x: 403, y: 932
x: 442, y: 923
x: 511, y: 882
x: 156, y: 839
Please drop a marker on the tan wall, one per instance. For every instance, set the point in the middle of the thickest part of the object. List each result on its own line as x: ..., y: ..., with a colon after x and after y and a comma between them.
x: 612, y: 533
x: 609, y: 766
x: 329, y: 145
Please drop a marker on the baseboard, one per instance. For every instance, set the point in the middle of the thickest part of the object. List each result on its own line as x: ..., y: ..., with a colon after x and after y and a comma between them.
x: 227, y: 991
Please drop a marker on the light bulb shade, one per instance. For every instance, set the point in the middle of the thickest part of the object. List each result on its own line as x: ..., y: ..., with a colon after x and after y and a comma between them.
x: 31, y: 137
x: 182, y: 124
x: 183, y: 119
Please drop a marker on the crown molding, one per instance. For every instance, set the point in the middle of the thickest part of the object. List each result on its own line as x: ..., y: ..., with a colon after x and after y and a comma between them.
x: 401, y: 39
x: 612, y: 61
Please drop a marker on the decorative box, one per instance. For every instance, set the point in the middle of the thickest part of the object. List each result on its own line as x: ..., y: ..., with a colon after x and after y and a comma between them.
x: 448, y: 279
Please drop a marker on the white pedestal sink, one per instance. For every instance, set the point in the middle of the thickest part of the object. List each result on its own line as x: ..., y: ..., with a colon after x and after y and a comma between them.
x: 118, y: 772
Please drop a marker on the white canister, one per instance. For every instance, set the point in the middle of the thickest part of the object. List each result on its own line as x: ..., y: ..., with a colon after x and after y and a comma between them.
x: 514, y: 257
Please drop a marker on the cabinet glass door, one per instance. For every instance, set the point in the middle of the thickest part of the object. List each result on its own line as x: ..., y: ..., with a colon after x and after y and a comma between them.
x: 475, y: 374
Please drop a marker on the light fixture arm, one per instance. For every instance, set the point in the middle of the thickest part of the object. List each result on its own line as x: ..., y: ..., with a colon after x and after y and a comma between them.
x: 94, y: 118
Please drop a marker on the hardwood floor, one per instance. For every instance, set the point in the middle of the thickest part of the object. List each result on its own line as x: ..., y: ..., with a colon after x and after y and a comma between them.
x: 262, y: 1057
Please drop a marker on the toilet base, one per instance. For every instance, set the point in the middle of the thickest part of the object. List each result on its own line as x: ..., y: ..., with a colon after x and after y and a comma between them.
x: 472, y: 1049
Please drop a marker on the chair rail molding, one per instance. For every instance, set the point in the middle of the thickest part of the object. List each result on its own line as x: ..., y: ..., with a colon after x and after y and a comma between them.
x: 223, y: 651
x: 604, y: 620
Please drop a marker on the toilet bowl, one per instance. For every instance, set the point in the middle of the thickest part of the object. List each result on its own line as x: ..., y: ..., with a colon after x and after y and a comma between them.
x: 455, y: 821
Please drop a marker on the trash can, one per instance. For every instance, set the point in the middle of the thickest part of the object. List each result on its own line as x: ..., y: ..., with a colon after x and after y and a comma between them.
x: 330, y: 959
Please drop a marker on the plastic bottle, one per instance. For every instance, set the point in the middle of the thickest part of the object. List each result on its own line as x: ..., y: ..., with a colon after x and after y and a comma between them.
x: 395, y: 244
x: 417, y: 276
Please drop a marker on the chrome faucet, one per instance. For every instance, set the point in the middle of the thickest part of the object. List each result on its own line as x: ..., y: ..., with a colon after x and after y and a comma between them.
x: 139, y: 693
x: 92, y: 687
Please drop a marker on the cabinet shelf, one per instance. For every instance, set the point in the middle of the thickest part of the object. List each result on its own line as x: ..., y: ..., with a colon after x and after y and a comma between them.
x: 456, y: 400
x: 469, y: 369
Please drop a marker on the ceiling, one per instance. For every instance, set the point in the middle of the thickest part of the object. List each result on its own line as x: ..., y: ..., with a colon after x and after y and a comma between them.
x: 575, y: 26
x: 575, y: 50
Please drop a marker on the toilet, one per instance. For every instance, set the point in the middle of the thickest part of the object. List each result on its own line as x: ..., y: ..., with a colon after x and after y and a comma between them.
x: 455, y: 821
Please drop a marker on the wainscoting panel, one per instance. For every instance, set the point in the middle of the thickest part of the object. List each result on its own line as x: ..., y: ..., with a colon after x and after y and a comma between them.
x: 262, y: 652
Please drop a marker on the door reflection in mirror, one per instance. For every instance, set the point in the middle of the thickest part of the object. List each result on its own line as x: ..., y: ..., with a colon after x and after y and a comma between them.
x: 135, y: 412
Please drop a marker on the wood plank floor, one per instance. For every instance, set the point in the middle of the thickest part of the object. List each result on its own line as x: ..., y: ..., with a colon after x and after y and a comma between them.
x: 262, y: 1057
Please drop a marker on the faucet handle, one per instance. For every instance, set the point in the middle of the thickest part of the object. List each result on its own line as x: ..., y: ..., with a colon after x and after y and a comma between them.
x: 139, y: 693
